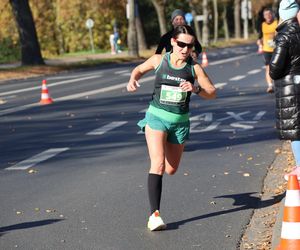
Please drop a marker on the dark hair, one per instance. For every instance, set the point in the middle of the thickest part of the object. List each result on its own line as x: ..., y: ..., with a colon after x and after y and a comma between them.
x: 268, y: 9
x: 183, y: 29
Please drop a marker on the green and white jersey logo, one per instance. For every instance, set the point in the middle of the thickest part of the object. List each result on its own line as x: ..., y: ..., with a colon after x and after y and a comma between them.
x: 172, y: 78
x: 172, y: 95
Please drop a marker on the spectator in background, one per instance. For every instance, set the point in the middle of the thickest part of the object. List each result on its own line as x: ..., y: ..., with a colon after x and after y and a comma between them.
x: 177, y: 18
x: 117, y: 40
x: 266, y: 40
x: 285, y: 70
x: 112, y: 44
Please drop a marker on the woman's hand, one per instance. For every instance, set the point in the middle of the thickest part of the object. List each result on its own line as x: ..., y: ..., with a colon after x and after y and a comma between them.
x: 187, y: 86
x: 132, y: 86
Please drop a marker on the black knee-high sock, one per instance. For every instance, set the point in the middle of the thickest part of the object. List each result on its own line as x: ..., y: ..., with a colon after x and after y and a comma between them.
x: 154, y: 191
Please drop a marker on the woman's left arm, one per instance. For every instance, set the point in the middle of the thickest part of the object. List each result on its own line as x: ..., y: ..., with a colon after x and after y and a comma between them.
x: 206, y: 89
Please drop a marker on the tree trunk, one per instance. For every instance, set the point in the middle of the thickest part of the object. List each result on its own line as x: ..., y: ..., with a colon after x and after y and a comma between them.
x: 142, y: 45
x: 160, y: 10
x: 205, y: 30
x: 225, y: 22
x: 196, y: 24
x: 216, y: 19
x: 132, y: 36
x: 58, y: 30
x: 237, y: 18
x: 30, y: 47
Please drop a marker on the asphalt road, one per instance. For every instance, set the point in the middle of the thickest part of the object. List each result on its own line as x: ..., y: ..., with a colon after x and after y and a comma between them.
x: 73, y: 174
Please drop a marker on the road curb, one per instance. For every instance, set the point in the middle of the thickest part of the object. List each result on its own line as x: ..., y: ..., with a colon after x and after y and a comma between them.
x: 264, y: 228
x: 277, y: 226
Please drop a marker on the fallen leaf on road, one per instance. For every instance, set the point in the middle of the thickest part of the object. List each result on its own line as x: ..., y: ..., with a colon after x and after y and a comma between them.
x: 50, y: 210
x: 32, y: 171
x: 277, y: 151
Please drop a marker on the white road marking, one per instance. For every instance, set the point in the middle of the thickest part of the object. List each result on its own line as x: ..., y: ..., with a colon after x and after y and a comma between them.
x: 237, y: 78
x: 19, y: 108
x: 9, y: 97
x: 107, y: 127
x: 259, y: 115
x: 121, y: 71
x: 143, y: 110
x: 255, y: 71
x: 75, y: 96
x: 220, y: 85
x: 48, y: 84
x: 231, y: 59
x: 73, y: 76
x: 98, y: 91
x: 23, y: 165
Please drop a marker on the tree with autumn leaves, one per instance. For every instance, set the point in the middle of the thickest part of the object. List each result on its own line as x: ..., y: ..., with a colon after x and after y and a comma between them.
x: 53, y: 27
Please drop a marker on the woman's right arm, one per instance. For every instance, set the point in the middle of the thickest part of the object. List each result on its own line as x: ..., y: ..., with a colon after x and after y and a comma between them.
x: 140, y: 70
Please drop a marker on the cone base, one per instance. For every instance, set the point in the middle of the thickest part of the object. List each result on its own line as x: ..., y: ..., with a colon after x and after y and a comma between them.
x: 48, y: 101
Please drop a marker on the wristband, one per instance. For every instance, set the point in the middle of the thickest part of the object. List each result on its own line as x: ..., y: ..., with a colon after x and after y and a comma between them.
x: 198, y: 90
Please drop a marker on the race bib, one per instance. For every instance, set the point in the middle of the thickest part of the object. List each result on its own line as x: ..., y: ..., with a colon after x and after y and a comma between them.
x: 172, y: 95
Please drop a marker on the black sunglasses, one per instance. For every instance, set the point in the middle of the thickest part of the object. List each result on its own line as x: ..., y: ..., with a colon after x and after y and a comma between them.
x: 183, y: 45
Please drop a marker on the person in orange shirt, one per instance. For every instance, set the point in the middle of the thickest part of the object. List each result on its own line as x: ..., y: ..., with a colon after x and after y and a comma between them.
x: 266, y: 40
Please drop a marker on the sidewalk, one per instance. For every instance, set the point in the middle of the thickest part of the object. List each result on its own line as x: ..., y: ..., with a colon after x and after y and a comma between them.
x: 264, y: 229
x: 11, y: 71
x: 70, y: 59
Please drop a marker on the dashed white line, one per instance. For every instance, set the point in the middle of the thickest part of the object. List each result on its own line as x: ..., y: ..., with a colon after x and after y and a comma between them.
x: 121, y: 71
x: 107, y: 127
x: 231, y: 59
x: 255, y: 71
x: 220, y: 85
x: 237, y: 78
x: 23, y: 165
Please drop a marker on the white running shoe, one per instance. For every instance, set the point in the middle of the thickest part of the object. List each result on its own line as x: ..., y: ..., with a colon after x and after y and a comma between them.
x: 155, y: 222
x: 296, y: 171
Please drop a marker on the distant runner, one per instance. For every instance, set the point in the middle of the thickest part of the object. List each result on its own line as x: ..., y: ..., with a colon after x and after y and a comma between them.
x: 266, y: 39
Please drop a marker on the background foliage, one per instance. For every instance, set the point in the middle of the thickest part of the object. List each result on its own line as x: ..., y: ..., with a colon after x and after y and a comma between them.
x: 60, y: 24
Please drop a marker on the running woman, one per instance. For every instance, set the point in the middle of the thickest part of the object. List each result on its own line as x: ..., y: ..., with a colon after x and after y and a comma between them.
x: 166, y: 123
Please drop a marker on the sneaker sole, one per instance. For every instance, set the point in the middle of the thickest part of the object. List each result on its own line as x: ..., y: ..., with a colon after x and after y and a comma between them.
x: 158, y: 228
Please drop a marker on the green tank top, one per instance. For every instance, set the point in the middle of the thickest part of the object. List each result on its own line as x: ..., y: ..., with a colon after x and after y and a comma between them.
x: 167, y: 94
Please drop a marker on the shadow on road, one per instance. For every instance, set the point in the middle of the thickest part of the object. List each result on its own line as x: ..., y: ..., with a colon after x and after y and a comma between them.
x: 25, y: 225
x: 245, y: 201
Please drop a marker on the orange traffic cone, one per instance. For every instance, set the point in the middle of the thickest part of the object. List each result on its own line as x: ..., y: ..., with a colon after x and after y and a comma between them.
x: 45, y: 97
x: 204, y: 59
x: 290, y: 230
x: 260, y: 49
